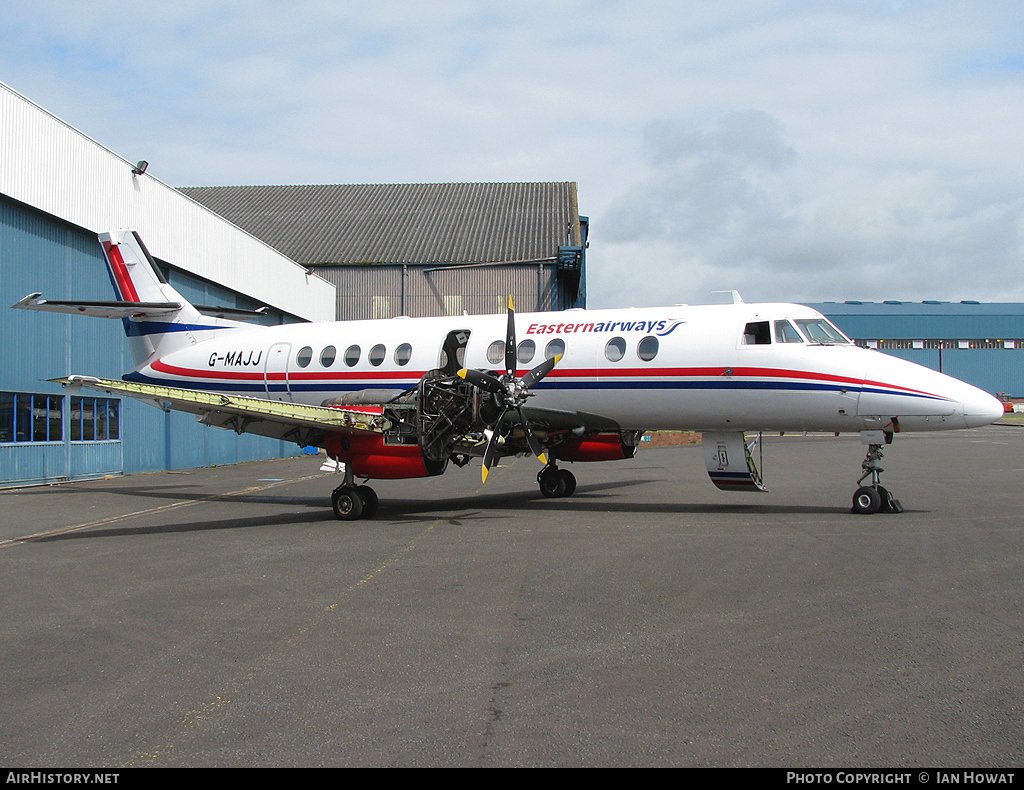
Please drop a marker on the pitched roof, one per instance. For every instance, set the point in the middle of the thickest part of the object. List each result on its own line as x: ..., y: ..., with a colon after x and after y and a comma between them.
x: 403, y: 223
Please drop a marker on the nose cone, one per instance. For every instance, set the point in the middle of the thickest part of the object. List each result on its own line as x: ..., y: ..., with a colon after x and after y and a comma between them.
x: 980, y: 408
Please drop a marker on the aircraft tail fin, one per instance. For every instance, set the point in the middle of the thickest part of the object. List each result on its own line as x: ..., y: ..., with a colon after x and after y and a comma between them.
x: 157, y: 319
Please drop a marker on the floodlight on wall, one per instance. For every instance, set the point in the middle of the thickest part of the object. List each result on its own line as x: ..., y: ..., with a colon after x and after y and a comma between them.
x: 140, y: 167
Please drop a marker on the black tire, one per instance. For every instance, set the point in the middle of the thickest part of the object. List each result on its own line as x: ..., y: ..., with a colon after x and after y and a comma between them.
x: 570, y: 481
x: 370, y: 501
x: 347, y: 503
x: 866, y: 500
x: 552, y: 483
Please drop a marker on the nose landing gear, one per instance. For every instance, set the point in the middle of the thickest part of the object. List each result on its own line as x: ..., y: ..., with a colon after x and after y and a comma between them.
x: 874, y: 498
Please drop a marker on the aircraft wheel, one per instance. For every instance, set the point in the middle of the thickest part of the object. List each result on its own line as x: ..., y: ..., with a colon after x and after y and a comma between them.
x: 867, y: 500
x: 347, y: 503
x: 552, y: 483
x: 370, y: 501
x: 889, y: 503
x: 570, y: 481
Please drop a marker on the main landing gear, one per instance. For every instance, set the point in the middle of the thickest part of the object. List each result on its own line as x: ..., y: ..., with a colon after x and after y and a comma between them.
x: 555, y: 482
x: 352, y: 502
x: 874, y: 498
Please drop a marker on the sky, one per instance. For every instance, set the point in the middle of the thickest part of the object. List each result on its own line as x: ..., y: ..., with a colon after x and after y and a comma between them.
x: 791, y: 151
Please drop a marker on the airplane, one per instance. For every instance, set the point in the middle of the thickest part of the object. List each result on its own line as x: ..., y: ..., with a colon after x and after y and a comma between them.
x: 405, y: 397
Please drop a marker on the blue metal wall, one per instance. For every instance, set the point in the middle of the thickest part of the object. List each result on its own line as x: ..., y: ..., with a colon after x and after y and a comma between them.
x: 39, y: 253
x: 994, y: 370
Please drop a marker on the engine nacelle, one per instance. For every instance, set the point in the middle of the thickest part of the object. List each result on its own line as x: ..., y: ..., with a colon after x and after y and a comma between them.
x: 369, y: 456
x: 602, y: 447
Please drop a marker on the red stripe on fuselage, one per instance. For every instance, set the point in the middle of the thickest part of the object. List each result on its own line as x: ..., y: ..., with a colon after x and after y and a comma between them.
x: 585, y: 373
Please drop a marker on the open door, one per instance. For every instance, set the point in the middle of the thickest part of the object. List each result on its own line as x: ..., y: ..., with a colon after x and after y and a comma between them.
x: 730, y: 461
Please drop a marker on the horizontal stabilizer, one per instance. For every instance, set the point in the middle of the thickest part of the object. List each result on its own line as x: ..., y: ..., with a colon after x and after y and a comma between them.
x: 99, y: 309
x: 305, y: 425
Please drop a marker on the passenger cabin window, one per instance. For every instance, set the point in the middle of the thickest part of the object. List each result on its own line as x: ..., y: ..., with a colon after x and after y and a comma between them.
x: 785, y: 332
x: 352, y: 355
x: 496, y: 352
x: 527, y: 351
x: 615, y: 349
x: 757, y: 333
x: 403, y: 354
x: 376, y: 355
x: 647, y: 349
x: 304, y: 356
x: 820, y: 331
x: 554, y: 348
x: 328, y: 355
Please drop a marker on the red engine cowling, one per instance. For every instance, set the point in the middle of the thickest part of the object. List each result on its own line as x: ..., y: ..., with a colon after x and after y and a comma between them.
x: 369, y: 456
x: 602, y: 447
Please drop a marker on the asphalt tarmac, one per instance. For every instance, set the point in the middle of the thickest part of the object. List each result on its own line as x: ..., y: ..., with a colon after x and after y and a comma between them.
x: 223, y: 617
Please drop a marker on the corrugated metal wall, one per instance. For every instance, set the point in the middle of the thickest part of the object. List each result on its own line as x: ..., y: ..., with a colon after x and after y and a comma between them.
x: 40, y: 253
x: 385, y: 291
x: 991, y: 369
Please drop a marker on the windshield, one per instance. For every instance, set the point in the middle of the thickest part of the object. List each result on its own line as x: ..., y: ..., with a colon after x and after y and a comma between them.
x: 818, y: 330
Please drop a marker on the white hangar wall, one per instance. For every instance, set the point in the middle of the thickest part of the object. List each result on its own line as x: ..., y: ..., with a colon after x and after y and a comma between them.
x: 53, y: 167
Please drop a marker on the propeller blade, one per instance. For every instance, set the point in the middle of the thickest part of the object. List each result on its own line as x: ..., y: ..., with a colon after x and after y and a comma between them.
x: 539, y: 372
x: 531, y: 439
x: 510, y: 340
x: 491, y: 450
x: 484, y: 381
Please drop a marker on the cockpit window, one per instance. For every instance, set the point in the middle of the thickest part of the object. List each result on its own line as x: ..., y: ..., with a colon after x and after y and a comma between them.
x: 757, y: 333
x: 820, y: 331
x: 785, y: 332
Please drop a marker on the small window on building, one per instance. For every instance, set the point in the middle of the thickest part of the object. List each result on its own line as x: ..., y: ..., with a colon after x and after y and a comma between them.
x: 303, y: 358
x: 352, y: 354
x: 377, y: 354
x: 527, y: 351
x: 647, y: 349
x: 95, y: 419
x: 554, y: 348
x: 31, y: 417
x: 328, y: 355
x: 403, y: 354
x: 785, y: 332
x: 615, y: 349
x: 496, y: 352
x: 757, y: 333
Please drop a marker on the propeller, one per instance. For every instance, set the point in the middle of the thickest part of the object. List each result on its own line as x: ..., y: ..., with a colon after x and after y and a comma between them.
x: 511, y: 392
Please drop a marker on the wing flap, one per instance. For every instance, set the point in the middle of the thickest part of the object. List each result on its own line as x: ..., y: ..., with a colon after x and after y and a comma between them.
x: 305, y: 425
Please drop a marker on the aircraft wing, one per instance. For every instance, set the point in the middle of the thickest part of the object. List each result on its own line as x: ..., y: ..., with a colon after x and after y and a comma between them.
x: 558, y: 420
x: 305, y: 425
x: 35, y: 301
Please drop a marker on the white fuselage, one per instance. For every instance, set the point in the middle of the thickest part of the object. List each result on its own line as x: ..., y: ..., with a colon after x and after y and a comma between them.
x: 711, y: 368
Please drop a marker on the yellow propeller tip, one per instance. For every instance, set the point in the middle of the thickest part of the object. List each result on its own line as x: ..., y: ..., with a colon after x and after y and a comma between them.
x: 543, y: 458
x: 462, y: 373
x: 483, y: 473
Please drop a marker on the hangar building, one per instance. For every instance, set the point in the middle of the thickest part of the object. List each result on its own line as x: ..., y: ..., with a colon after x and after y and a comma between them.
x: 981, y: 343
x: 422, y: 249
x: 58, y: 190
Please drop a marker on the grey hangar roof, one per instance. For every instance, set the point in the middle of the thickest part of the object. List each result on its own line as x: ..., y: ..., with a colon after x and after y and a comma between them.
x: 403, y: 223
